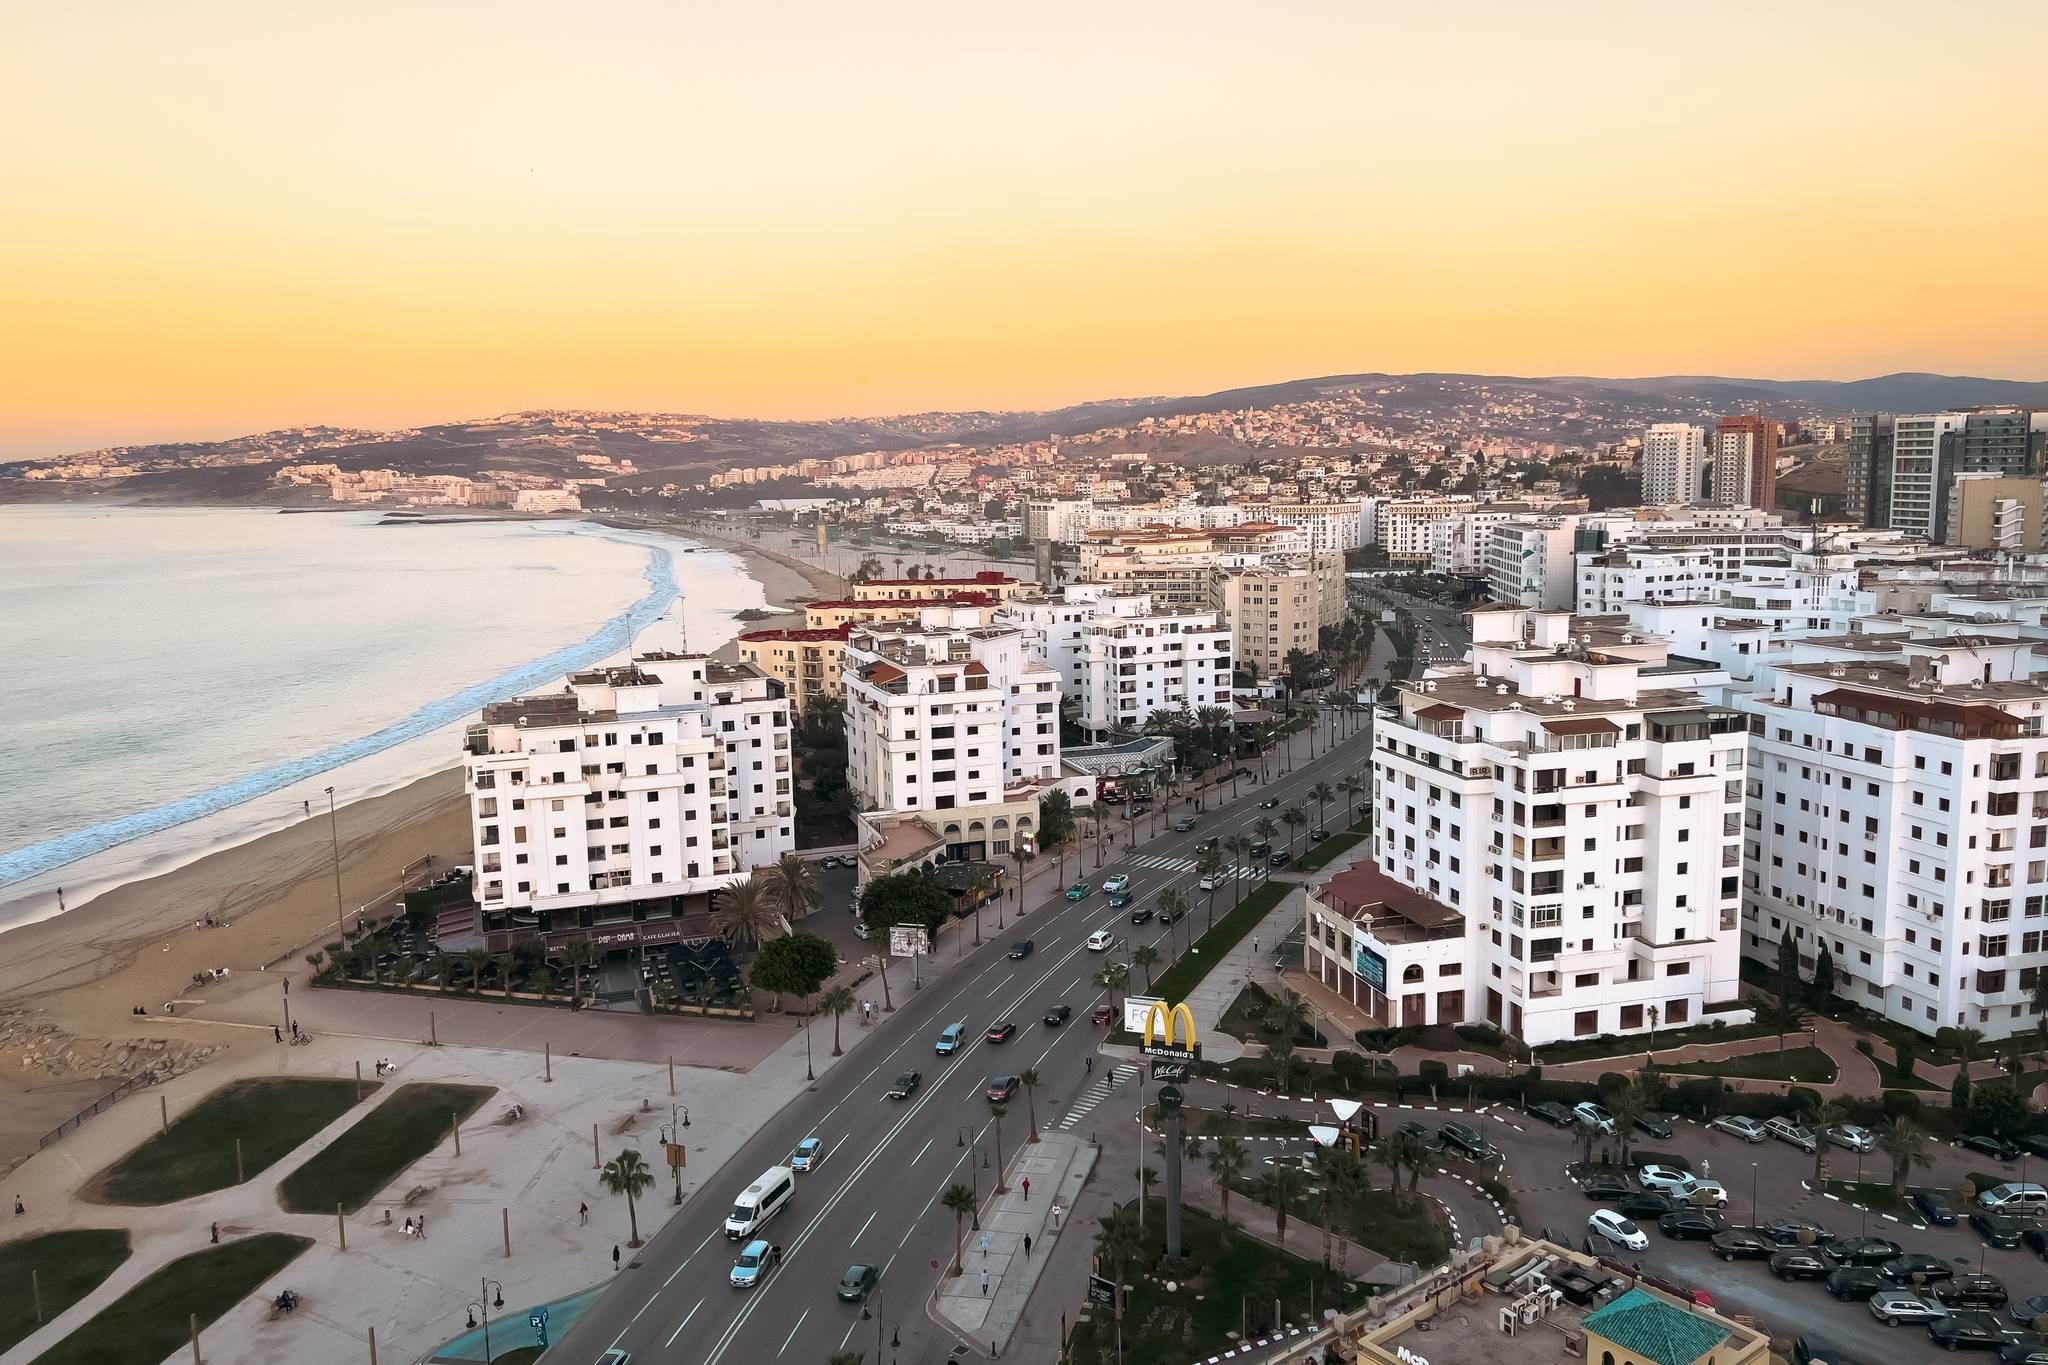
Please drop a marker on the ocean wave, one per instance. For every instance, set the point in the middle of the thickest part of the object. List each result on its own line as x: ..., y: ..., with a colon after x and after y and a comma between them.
x: 612, y: 637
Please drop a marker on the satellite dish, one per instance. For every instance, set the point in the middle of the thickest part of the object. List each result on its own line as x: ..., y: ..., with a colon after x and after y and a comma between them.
x: 1345, y: 1110
x: 1323, y: 1133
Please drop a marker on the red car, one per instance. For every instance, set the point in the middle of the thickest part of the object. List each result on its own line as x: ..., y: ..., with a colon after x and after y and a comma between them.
x: 1104, y: 1014
x: 1001, y: 1033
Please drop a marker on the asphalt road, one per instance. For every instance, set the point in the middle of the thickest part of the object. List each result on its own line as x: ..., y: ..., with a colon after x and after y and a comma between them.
x: 874, y: 1198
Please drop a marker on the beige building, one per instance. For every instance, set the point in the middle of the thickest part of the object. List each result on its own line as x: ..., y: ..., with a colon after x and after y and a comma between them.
x: 994, y: 582
x: 805, y: 662
x: 1270, y: 610
x: 1995, y: 512
x: 962, y: 608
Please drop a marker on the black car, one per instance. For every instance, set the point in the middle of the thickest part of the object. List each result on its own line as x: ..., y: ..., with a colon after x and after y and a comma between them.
x: 1280, y: 857
x: 2029, y: 1311
x: 1996, y: 1229
x: 1913, y: 1268
x: 857, y: 1283
x: 1172, y: 916
x: 1270, y: 803
x: 1870, y: 1251
x: 1974, y: 1290
x: 1991, y: 1145
x: 1021, y: 948
x: 1556, y: 1115
x: 1801, y: 1263
x: 1058, y: 1014
x: 1692, y: 1224
x: 1855, y: 1283
x: 2036, y: 1241
x: 1812, y: 1350
x: 1733, y: 1244
x: 1605, y: 1188
x: 1184, y: 824
x: 906, y: 1082
x: 1466, y: 1139
x: 1935, y: 1208
x: 1000, y: 1033
x: 1142, y: 915
x: 1646, y: 1205
x: 1971, y: 1331
x: 2025, y: 1351
x: 1318, y: 834
x: 2035, y: 1144
x: 1788, y: 1232
x: 1655, y: 1125
x: 1421, y: 1133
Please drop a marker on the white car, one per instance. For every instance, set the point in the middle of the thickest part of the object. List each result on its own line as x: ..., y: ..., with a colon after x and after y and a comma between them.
x: 1115, y: 882
x: 1099, y: 941
x: 1749, y: 1130
x: 1589, y: 1112
x: 1854, y: 1138
x: 1697, y: 1193
x: 1617, y: 1229
x: 1664, y: 1178
x: 1208, y: 883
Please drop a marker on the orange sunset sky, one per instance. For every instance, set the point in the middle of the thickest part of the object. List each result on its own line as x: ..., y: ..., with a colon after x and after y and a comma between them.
x: 227, y: 215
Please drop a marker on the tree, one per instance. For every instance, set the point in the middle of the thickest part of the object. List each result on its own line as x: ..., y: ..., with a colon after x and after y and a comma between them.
x: 1627, y: 1105
x: 1352, y: 789
x: 1338, y: 1175
x: 792, y: 884
x: 2038, y: 998
x: 1264, y: 829
x: 997, y: 1112
x: 1029, y: 1079
x: 1227, y: 1160
x: 1240, y: 854
x: 1823, y: 988
x: 578, y: 954
x: 1280, y: 1048
x: 960, y: 1200
x: 1287, y: 1015
x: 1294, y: 820
x: 1407, y: 1153
x: 1821, y: 1116
x: 1281, y: 1185
x: 1055, y: 819
x: 1322, y: 794
x: 1789, y: 1012
x: 836, y: 1002
x: 476, y: 959
x: 904, y: 898
x: 745, y: 914
x: 1173, y: 905
x: 1997, y: 1107
x: 629, y: 1174
x: 1119, y: 1243
x: 1967, y: 1042
x: 795, y: 964
x: 1145, y: 956
x: 1905, y: 1142
x: 503, y: 962
x: 1114, y: 977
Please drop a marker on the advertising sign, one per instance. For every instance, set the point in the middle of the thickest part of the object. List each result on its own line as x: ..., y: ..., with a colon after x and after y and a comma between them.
x: 908, y: 940
x: 1169, y: 1033
x: 1370, y: 967
x: 1134, y: 1011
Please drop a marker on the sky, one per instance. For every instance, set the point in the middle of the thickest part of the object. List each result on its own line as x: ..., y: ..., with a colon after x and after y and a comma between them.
x: 223, y: 216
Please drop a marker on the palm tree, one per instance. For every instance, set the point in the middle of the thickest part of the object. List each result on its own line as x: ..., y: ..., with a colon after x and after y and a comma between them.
x: 1322, y: 794
x: 1147, y: 957
x: 1337, y: 1172
x: 1405, y: 1152
x: 1280, y: 1183
x: 1821, y: 1117
x: 1905, y: 1142
x: 629, y: 1174
x: 1626, y: 1106
x: 1120, y: 1243
x: 1968, y: 1043
x: 1347, y: 1175
x: 960, y: 1200
x: 746, y: 914
x: 1352, y: 789
x: 1173, y: 905
x: 1288, y: 1014
x: 997, y: 1111
x: 579, y: 954
x: 1240, y: 854
x: 836, y: 1001
x: 1227, y: 1160
x: 792, y: 883
x: 1113, y: 977
x: 847, y: 1358
x: 476, y: 959
x: 1265, y: 829
x: 1029, y: 1079
x: 1294, y: 820
x: 503, y: 962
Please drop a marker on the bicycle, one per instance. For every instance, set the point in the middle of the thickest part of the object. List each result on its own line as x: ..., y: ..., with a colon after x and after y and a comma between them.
x: 301, y: 1039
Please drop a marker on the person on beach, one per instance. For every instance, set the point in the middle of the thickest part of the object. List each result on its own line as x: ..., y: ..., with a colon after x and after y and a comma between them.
x: 216, y: 1234
x: 19, y: 1207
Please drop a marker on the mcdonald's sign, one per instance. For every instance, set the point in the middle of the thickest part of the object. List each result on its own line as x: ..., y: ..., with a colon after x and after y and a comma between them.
x: 1161, y: 1018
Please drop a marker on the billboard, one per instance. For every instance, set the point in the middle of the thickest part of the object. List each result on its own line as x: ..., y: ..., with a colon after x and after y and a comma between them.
x: 909, y: 940
x: 1135, y: 1007
x: 1370, y: 967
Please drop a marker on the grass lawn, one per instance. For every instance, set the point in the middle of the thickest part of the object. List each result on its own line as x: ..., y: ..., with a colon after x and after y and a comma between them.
x: 369, y: 1156
x: 1635, y: 1045
x: 1875, y: 1195
x: 1319, y: 855
x: 1891, y: 1078
x: 1226, y: 1272
x: 271, y: 1115
x: 1808, y: 1064
x: 148, y: 1323
x: 72, y: 1264
x: 1187, y: 972
x: 1246, y: 1019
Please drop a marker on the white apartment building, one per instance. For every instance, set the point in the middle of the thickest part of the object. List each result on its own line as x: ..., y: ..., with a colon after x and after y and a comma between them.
x: 630, y: 796
x: 1609, y: 581
x: 1124, y: 659
x: 1061, y: 520
x: 1532, y: 564
x: 1674, y: 463
x: 1898, y: 813
x: 958, y: 726
x: 1404, y: 528
x: 1918, y: 488
x: 1562, y: 817
x: 1271, y: 610
x: 1326, y: 527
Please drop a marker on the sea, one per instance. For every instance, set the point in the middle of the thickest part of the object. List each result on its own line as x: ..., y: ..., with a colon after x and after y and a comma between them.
x: 179, y: 680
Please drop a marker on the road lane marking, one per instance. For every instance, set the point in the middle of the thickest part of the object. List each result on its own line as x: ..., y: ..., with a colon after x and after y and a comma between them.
x: 794, y: 1330
x: 681, y: 1325
x: 644, y: 1307
x: 922, y: 1150
x: 864, y: 1226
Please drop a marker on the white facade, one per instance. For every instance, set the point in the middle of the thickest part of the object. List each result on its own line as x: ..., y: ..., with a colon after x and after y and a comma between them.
x: 1327, y: 527
x: 667, y: 777
x: 1674, y: 462
x: 1917, y: 484
x: 1530, y: 563
x: 1061, y: 520
x: 1124, y: 659
x: 1404, y: 528
x: 1573, y: 797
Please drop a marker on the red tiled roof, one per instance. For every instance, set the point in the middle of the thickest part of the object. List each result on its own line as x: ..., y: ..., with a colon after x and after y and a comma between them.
x: 801, y: 633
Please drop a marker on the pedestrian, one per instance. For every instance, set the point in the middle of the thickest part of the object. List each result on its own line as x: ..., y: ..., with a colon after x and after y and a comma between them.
x: 276, y: 1033
x: 216, y: 1234
x: 1027, y: 1189
x: 1255, y: 943
x: 1089, y: 1064
x: 408, y: 1227
x: 984, y: 1246
x: 984, y: 1284
x: 306, y: 806
x: 423, y: 1227
x: 19, y: 1207
x: 615, y: 1258
x: 582, y: 1214
x: 1027, y: 1244
x: 287, y: 985
x: 1056, y: 1212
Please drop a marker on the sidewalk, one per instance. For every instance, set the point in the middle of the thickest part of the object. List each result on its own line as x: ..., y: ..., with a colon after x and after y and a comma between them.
x: 1058, y: 1165
x: 1209, y: 1000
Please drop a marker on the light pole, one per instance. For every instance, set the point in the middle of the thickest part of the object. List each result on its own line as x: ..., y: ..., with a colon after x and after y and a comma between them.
x: 667, y: 1136
x: 963, y: 1137
x: 483, y: 1310
x: 1752, y: 1194
x: 894, y: 1328
x: 334, y: 844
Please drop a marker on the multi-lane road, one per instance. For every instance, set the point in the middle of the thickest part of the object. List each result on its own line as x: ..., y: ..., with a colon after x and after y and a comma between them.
x: 875, y: 1196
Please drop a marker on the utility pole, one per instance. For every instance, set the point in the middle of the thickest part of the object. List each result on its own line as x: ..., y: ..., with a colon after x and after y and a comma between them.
x: 334, y: 844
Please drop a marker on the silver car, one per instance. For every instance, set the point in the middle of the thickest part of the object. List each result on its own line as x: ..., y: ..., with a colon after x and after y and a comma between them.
x: 1852, y: 1137
x: 1749, y: 1130
x: 1894, y: 1306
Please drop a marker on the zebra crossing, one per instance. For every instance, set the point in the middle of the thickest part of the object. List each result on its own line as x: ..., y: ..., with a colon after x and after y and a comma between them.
x: 1163, y: 862
x: 1121, y: 1074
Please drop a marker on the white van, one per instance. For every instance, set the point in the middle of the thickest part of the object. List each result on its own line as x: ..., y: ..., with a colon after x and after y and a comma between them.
x: 2013, y: 1197
x: 760, y: 1201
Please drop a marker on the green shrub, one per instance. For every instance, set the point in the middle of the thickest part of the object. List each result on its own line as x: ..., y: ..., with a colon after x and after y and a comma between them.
x: 1433, y: 1072
x: 1901, y: 1104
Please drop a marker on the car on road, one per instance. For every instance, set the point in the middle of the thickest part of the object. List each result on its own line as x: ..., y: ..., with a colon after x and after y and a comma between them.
x: 1172, y: 916
x: 1894, y: 1306
x: 1184, y: 824
x: 1741, y: 1244
x: 1991, y: 1145
x: 751, y: 1265
x: 1057, y: 1015
x: 1551, y: 1112
x: 1974, y: 1290
x: 614, y: 1357
x: 1971, y: 1331
x: 1021, y: 949
x: 1997, y: 1229
x: 1000, y: 1033
x: 1120, y: 899
x: 1854, y: 1283
x: 1102, y: 1014
x: 1318, y: 834
x: 1869, y: 1251
x: 1645, y: 1204
x: 1279, y: 857
x: 906, y: 1082
x: 1853, y: 1137
x: 1655, y: 1125
x: 1258, y: 851
x: 1116, y: 881
x: 1208, y: 883
x: 1270, y: 803
x: 1205, y: 845
x: 1915, y: 1268
x: 1788, y: 1232
x: 1797, y: 1134
x: 857, y: 1283
x: 1735, y: 1125
x: 808, y: 1154
x: 1694, y: 1225
x: 1617, y: 1229
x: 950, y: 1038
x: 1141, y: 915
x: 1605, y: 1188
x: 1100, y: 940
x: 1080, y: 891
x: 1588, y: 1112
x: 1799, y: 1263
x: 1935, y: 1207
x: 1466, y: 1139
x: 1000, y: 1089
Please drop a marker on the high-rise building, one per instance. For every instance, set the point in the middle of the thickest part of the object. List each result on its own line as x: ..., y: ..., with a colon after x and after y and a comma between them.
x: 1867, y: 471
x: 1123, y: 658
x: 1674, y: 463
x: 1271, y: 611
x: 1745, y: 455
x: 1922, y: 446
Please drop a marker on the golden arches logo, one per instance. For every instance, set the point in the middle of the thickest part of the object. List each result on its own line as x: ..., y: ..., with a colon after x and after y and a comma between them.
x: 1158, y: 1013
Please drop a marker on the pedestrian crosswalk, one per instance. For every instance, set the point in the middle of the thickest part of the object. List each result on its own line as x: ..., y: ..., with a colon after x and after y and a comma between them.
x: 1120, y: 1075
x: 1163, y: 860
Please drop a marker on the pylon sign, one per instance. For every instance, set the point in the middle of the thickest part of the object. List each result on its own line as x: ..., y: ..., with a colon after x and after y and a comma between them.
x: 1175, y: 1044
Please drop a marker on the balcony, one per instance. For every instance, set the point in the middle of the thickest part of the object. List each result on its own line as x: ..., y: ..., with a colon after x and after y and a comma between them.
x: 1545, y: 985
x: 1546, y: 850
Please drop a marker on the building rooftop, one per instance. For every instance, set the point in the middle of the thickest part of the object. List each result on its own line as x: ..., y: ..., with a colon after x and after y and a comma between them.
x: 801, y: 634
x: 1394, y: 911
x: 1653, y: 1330
x: 1899, y: 681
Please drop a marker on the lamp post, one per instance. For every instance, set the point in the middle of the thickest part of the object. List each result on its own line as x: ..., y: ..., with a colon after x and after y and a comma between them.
x: 334, y: 845
x: 1752, y: 1194
x: 667, y: 1135
x: 891, y: 1325
x: 483, y: 1309
x: 963, y: 1138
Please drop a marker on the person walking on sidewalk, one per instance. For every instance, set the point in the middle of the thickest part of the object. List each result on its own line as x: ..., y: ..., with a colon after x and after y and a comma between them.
x: 1027, y: 1189
x: 1027, y: 1245
x: 984, y: 1284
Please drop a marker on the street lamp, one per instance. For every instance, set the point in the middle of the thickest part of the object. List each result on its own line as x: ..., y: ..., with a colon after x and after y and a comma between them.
x: 334, y: 844
x: 1752, y: 1194
x: 667, y: 1135
x: 891, y: 1325
x: 492, y: 1296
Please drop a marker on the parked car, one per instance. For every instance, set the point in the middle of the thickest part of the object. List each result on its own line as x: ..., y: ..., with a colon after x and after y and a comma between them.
x: 1000, y: 1033
x: 905, y: 1083
x: 1894, y: 1306
x: 1934, y: 1207
x: 1799, y: 1263
x: 2036, y: 1241
x: 1809, y: 1349
x: 2028, y: 1311
x: 1021, y: 949
x: 1279, y: 857
x: 1732, y: 1244
x: 807, y: 1155
x: 2015, y: 1197
x: 1552, y: 1113
x: 1852, y: 1137
x: 1057, y: 1015
x: 1000, y: 1089
x: 1588, y: 1112
x: 1915, y: 1268
x: 1466, y: 1139
x: 2025, y: 1351
x: 1735, y: 1125
x: 1864, y: 1251
x: 1605, y: 1188
x: 1318, y: 834
x: 1692, y: 1224
x: 1991, y: 1145
x: 1997, y: 1229
x: 1422, y: 1134
x: 1080, y: 891
x: 1656, y: 1177
x: 1257, y: 852
x: 1100, y: 941
x: 1617, y: 1229
x: 1697, y: 1193
x: 1184, y: 824
x: 1645, y: 1204
x: 1797, y: 1134
x: 2034, y: 1144
x: 857, y: 1283
x: 1972, y: 1331
x: 1854, y: 1282
x: 1974, y: 1290
x: 1788, y: 1232
x: 1655, y: 1125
